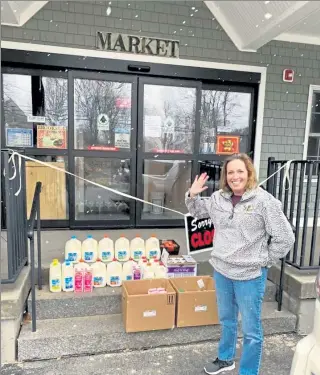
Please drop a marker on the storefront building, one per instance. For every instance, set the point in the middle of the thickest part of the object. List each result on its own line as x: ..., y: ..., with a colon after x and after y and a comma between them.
x: 143, y: 116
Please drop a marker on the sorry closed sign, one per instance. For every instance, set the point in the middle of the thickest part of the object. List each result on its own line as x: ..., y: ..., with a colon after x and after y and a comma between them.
x: 200, y: 234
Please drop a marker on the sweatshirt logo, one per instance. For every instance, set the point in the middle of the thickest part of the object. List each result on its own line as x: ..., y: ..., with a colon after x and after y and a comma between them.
x: 248, y: 208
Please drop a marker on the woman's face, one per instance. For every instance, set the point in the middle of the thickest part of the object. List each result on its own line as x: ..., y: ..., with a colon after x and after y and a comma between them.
x: 237, y: 176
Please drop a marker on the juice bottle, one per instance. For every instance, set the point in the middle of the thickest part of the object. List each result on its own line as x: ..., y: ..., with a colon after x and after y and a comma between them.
x: 79, y: 270
x: 72, y: 250
x: 88, y: 280
x: 122, y: 249
x: 106, y: 249
x: 89, y: 249
x: 114, y: 273
x: 137, y: 248
x: 153, y: 248
x: 99, y: 270
x: 55, y: 276
x: 137, y: 273
x: 67, y: 276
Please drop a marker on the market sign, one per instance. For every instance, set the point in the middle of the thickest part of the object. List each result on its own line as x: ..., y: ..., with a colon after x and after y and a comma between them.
x: 200, y: 234
x: 228, y: 145
x: 140, y: 45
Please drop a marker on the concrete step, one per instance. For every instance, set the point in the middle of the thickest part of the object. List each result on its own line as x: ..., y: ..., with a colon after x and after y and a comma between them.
x: 102, y: 301
x: 56, y: 338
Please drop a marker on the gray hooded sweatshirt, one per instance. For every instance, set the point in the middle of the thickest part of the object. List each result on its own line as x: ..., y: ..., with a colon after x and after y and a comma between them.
x: 241, y: 245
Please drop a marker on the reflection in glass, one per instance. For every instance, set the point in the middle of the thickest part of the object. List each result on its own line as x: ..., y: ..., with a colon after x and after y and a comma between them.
x: 224, y: 113
x: 169, y: 119
x: 102, y: 115
x: 165, y: 183
x: 54, y: 194
x: 94, y: 203
x: 26, y: 96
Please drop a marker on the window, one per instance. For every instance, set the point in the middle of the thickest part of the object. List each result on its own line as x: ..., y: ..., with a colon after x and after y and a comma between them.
x: 35, y: 111
x: 312, y: 144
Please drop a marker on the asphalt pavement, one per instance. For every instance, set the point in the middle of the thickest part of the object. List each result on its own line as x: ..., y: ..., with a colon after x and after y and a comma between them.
x: 177, y: 360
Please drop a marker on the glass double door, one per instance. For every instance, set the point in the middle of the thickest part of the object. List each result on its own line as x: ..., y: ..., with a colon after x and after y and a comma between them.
x: 147, y: 138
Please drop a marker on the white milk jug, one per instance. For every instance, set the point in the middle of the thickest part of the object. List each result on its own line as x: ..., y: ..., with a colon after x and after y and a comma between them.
x: 122, y: 249
x: 155, y: 264
x: 148, y: 272
x: 72, y: 250
x: 55, y: 276
x: 99, y: 270
x: 141, y: 261
x: 137, y: 248
x: 127, y: 270
x: 89, y: 249
x: 106, y: 249
x: 153, y: 248
x: 67, y: 276
x: 114, y: 273
x: 79, y: 273
x: 161, y: 272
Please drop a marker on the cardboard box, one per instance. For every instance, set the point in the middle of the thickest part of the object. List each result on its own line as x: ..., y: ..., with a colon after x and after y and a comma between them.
x: 148, y: 312
x: 179, y: 266
x: 196, y: 301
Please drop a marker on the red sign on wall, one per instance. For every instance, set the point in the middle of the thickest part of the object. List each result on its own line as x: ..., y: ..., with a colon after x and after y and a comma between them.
x: 228, y: 145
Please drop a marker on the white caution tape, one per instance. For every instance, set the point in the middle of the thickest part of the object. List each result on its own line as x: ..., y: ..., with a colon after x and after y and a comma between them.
x: 15, y: 153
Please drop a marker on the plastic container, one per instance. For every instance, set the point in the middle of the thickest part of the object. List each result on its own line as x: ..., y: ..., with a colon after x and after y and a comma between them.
x: 161, y: 272
x: 72, y: 250
x: 79, y: 270
x: 88, y: 280
x: 114, y: 273
x: 148, y: 272
x: 137, y: 248
x: 55, y: 276
x: 127, y: 270
x: 137, y: 272
x: 90, y: 249
x: 99, y: 271
x: 155, y: 265
x: 106, y: 249
x: 153, y: 248
x: 122, y: 249
x: 67, y: 276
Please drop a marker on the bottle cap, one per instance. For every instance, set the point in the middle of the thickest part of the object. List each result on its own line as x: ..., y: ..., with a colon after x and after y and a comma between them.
x: 98, y: 260
x: 81, y: 260
x: 89, y: 236
x: 55, y: 261
x: 105, y: 236
x: 73, y: 237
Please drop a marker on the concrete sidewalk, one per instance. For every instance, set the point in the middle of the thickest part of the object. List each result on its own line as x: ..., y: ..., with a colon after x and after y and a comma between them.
x: 181, y: 360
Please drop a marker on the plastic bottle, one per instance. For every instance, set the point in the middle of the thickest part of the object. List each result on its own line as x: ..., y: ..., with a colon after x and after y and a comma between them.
x: 55, y: 276
x: 153, y: 247
x: 89, y: 249
x: 137, y: 273
x: 106, y: 249
x: 67, y: 276
x: 155, y: 265
x: 148, y: 272
x: 88, y: 280
x: 161, y: 271
x: 127, y: 270
x: 142, y: 259
x: 114, y: 273
x: 137, y: 248
x: 79, y: 276
x: 72, y: 250
x: 122, y: 249
x: 99, y: 270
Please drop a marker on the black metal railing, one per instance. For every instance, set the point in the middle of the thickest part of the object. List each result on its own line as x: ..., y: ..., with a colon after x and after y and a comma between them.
x: 34, y: 220
x: 300, y: 199
x: 14, y: 216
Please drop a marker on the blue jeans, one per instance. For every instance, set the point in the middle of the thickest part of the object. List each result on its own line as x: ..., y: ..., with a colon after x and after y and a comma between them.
x: 247, y: 297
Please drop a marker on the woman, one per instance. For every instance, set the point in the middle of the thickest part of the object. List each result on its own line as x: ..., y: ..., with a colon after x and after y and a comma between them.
x: 251, y: 234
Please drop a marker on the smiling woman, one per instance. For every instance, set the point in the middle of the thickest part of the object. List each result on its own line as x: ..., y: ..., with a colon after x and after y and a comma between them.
x: 251, y: 234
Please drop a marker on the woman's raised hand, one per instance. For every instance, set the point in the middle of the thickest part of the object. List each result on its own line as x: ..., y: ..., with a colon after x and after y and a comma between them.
x: 198, y: 185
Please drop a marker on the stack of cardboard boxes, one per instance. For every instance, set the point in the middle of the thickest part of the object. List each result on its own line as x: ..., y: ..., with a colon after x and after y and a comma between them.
x: 186, y: 302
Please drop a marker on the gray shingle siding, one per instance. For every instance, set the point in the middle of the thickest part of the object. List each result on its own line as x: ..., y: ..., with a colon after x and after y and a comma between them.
x: 74, y: 24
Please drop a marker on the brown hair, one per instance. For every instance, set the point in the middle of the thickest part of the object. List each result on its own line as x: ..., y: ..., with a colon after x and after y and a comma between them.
x: 252, y: 177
